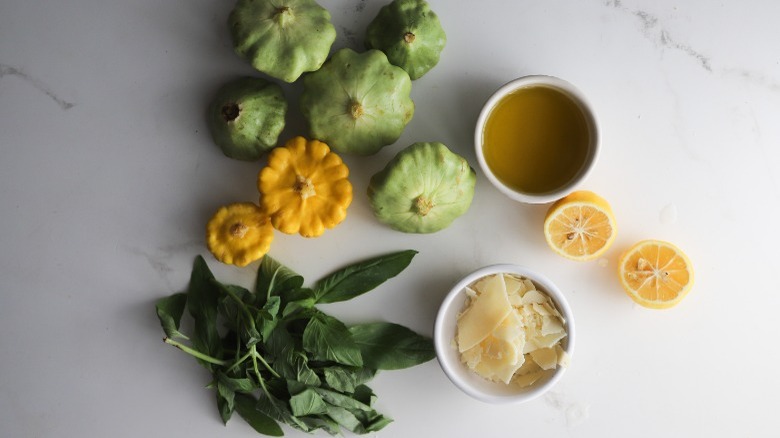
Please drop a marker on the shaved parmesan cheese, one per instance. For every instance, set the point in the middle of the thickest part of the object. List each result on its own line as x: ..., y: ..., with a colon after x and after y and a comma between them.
x: 510, y: 331
x: 484, y: 314
x: 546, y: 358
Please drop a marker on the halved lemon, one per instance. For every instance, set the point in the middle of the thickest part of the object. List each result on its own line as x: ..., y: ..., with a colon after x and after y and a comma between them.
x: 580, y: 226
x: 655, y: 274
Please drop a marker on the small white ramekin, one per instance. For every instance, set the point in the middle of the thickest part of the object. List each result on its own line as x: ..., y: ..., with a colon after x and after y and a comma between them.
x: 449, y: 356
x: 593, y: 151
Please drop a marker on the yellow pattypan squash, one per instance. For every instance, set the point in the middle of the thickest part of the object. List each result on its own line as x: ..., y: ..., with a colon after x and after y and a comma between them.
x: 239, y: 234
x: 304, y: 188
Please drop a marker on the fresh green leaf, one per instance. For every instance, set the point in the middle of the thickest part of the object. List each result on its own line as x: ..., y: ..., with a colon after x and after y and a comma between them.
x: 322, y: 422
x: 232, y: 308
x: 272, y: 306
x: 362, y: 277
x: 307, y: 402
x: 346, y: 419
x: 388, y: 346
x: 327, y: 338
x: 202, y: 299
x: 295, y: 387
x: 340, y: 379
x: 371, y: 420
x: 364, y: 395
x: 300, y: 367
x: 363, y: 375
x: 169, y: 311
x: 225, y: 402
x: 273, y: 278
x: 338, y: 399
x: 278, y: 344
x: 278, y: 410
x: 262, y: 423
x: 289, y: 362
x: 378, y: 423
x: 296, y: 300
x: 236, y: 384
x: 266, y: 319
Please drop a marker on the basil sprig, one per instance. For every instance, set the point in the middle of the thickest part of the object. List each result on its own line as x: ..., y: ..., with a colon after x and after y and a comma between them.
x: 276, y: 358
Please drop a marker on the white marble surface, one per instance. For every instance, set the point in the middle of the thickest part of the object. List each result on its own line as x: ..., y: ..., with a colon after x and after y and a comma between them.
x: 108, y: 177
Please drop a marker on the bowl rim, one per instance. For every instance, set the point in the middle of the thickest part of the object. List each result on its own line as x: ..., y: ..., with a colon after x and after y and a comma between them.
x: 457, y: 293
x: 585, y: 106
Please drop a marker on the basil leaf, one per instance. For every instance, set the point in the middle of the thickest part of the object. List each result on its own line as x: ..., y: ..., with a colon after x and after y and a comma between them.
x: 327, y: 338
x: 287, y: 359
x: 278, y: 344
x: 235, y: 384
x: 267, y: 321
x: 364, y: 395
x: 225, y: 402
x: 378, y: 423
x: 388, y: 346
x: 296, y: 367
x: 202, y: 300
x: 361, y: 277
x: 232, y: 305
x: 340, y: 379
x: 277, y: 409
x: 338, y: 399
x: 322, y: 422
x: 296, y: 300
x: 301, y: 370
x: 273, y: 278
x: 245, y: 406
x: 169, y: 312
x: 346, y: 419
x: 307, y: 402
x: 363, y: 375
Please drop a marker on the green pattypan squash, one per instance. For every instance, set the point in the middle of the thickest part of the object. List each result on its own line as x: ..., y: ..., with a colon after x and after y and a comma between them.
x: 410, y: 33
x: 357, y: 102
x: 423, y: 189
x: 246, y: 117
x: 282, y: 38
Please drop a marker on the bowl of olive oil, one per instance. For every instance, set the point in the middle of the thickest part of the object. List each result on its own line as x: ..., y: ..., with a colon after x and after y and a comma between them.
x: 537, y: 139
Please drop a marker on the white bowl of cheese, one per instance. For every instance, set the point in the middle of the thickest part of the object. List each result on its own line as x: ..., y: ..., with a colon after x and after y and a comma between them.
x: 504, y: 334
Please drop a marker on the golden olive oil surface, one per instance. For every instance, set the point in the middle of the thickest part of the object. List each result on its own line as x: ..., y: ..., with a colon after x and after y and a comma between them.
x: 536, y: 139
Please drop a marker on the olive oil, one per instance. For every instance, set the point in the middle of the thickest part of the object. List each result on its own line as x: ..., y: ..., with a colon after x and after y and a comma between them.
x: 536, y: 139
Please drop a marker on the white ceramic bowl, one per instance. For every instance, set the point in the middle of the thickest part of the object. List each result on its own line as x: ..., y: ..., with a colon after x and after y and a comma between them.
x: 449, y: 357
x: 569, y: 90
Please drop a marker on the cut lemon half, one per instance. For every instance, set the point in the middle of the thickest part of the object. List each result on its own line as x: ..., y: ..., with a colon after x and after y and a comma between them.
x: 580, y: 226
x: 655, y: 274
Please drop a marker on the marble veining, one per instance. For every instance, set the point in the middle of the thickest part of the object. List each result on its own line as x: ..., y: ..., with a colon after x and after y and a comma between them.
x: 159, y: 258
x: 755, y: 78
x: 9, y: 70
x: 575, y: 413
x: 650, y: 27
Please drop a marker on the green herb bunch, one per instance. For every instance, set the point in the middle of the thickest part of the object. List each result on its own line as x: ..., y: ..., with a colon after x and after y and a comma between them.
x: 276, y: 358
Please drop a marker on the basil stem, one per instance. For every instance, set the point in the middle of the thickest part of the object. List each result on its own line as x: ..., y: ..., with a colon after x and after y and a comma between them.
x: 193, y: 352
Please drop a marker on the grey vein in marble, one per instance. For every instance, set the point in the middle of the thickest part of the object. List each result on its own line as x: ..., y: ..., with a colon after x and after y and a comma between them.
x: 158, y: 259
x: 574, y: 413
x: 9, y: 70
x: 666, y: 40
x: 661, y: 36
x: 755, y: 78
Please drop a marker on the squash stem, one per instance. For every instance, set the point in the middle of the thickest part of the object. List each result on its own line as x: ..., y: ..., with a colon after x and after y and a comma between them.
x: 304, y: 187
x: 422, y: 205
x: 283, y: 15
x: 356, y: 110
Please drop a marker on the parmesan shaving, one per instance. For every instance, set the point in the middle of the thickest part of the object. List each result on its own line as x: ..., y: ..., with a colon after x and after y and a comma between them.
x: 510, y: 331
